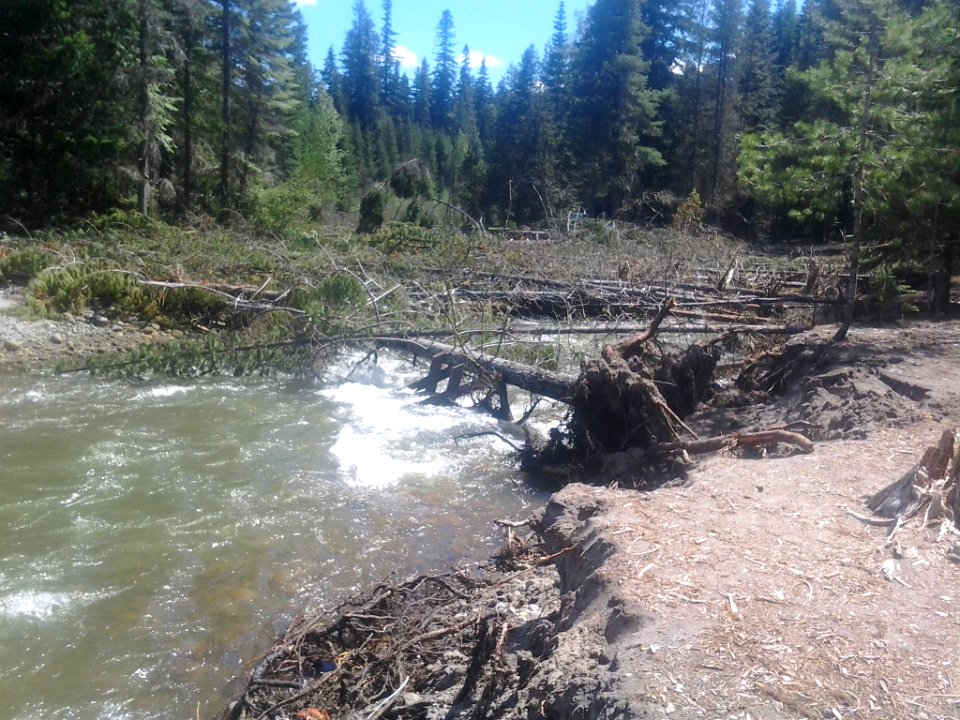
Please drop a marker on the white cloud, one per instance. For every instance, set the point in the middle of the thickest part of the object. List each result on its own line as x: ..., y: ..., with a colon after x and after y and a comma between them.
x: 477, y: 57
x: 406, y: 57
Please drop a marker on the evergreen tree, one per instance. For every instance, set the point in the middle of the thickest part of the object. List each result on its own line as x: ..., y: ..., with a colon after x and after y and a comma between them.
x: 360, y: 78
x: 516, y: 166
x: 758, y: 106
x: 661, y: 46
x: 333, y: 81
x: 422, y: 100
x: 318, y: 153
x: 444, y: 75
x: 485, y: 107
x: 556, y: 66
x: 394, y: 93
x: 196, y: 88
x: 687, y: 135
x: 68, y: 111
x: 465, y: 113
x: 727, y: 25
x: 268, y: 94
x: 784, y: 32
x: 614, y: 115
x: 850, y: 161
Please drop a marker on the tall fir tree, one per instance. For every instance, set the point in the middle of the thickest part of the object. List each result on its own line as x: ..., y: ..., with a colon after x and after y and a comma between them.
x: 758, y: 71
x: 361, y: 83
x: 614, y: 115
x: 444, y: 74
x: 727, y: 19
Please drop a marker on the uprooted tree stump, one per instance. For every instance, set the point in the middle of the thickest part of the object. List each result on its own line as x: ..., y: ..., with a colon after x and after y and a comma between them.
x: 624, y: 400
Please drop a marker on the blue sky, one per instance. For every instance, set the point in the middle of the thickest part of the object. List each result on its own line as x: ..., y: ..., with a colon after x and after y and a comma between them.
x: 499, y: 29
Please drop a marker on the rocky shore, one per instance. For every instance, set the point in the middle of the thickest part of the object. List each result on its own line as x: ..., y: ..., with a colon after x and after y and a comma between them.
x: 43, y: 344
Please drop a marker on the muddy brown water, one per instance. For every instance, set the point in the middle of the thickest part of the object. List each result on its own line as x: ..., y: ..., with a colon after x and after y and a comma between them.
x: 155, y: 536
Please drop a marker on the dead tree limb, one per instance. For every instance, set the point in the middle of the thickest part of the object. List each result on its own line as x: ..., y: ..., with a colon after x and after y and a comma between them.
x: 634, y: 345
x: 758, y: 438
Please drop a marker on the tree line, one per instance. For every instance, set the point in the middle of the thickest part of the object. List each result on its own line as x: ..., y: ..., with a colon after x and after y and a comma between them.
x: 839, y: 118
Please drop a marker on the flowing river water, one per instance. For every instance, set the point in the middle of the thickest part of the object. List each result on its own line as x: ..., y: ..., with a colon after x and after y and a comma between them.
x: 155, y: 536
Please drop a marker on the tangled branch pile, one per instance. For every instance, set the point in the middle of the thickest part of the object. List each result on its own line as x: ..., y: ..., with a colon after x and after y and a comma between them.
x: 431, y: 646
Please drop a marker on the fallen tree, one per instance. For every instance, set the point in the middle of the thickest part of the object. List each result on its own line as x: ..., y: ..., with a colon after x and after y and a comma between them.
x: 629, y: 398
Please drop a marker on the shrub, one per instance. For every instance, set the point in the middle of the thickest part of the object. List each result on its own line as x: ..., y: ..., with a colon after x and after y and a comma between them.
x: 371, y: 211
x: 689, y: 216
x: 77, y: 287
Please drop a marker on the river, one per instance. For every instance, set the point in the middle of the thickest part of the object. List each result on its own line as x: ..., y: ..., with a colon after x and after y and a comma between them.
x: 155, y: 536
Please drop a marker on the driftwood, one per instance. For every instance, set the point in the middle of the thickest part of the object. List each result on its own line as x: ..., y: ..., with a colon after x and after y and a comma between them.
x: 931, y: 486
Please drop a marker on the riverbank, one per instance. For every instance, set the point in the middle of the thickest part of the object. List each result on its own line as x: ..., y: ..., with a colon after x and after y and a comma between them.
x: 746, y: 590
x: 28, y: 344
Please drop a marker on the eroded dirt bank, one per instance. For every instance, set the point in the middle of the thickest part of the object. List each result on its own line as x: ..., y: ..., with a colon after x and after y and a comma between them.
x: 747, y: 590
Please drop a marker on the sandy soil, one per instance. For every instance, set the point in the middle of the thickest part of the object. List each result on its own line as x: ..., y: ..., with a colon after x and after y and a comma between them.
x: 751, y: 592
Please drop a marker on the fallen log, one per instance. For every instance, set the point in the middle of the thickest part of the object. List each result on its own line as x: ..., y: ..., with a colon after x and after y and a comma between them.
x: 758, y: 438
x: 617, y: 402
x: 540, y: 382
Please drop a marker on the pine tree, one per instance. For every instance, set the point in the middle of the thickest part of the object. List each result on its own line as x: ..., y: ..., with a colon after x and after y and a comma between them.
x: 333, y: 81
x: 393, y: 91
x: 727, y: 24
x: 850, y: 160
x: 663, y: 19
x: 465, y: 112
x: 688, y: 135
x: 757, y: 84
x: 556, y: 66
x: 68, y: 106
x: 516, y: 165
x: 486, y: 112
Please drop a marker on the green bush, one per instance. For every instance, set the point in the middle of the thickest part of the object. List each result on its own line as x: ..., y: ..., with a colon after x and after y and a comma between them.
x: 284, y: 208
x: 371, y: 211
x: 22, y: 265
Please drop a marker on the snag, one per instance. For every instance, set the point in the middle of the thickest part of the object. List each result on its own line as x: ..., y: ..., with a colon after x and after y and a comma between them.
x: 931, y: 485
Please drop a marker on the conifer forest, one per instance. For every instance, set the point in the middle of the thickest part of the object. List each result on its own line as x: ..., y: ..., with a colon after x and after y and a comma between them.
x: 834, y: 120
